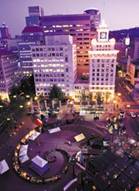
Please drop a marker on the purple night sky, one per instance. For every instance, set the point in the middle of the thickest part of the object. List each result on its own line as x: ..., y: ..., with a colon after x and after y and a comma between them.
x: 117, y: 13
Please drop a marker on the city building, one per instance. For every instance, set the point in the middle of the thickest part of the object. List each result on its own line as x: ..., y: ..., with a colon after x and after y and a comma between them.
x: 31, y: 35
x: 8, y: 67
x: 133, y: 72
x: 103, y: 61
x: 81, y: 26
x: 35, y: 12
x: 4, y: 32
x: 54, y: 64
x: 9, y: 44
x: 135, y: 49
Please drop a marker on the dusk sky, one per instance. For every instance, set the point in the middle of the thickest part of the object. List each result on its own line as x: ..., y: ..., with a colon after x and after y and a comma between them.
x: 117, y: 13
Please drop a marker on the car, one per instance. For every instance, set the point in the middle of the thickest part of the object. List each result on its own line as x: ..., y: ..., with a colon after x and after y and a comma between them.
x: 114, y: 119
x: 133, y: 115
x: 96, y: 118
x: 122, y: 114
x: 108, y: 120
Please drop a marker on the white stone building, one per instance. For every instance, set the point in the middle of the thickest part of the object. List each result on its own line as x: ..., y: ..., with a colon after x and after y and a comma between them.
x: 103, y: 61
x: 54, y: 64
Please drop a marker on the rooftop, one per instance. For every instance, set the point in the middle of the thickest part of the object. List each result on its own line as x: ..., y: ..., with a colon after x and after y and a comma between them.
x: 32, y: 29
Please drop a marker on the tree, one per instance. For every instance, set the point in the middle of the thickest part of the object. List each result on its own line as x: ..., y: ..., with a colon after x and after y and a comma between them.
x: 56, y: 94
x: 83, y: 98
x: 26, y: 87
x: 107, y: 96
x: 99, y: 98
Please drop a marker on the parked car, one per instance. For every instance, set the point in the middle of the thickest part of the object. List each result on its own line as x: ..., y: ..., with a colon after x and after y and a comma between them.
x: 122, y: 114
x: 133, y: 115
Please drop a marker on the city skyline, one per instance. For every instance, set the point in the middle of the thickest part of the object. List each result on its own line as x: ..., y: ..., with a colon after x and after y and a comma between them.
x: 109, y: 9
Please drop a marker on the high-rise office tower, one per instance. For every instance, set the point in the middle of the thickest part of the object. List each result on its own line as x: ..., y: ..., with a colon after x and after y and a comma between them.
x: 54, y: 64
x: 81, y: 26
x: 103, y: 61
x: 31, y: 35
x: 35, y: 12
x: 83, y: 29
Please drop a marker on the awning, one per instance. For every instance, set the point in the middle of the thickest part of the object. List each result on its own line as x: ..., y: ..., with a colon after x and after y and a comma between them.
x: 3, y: 167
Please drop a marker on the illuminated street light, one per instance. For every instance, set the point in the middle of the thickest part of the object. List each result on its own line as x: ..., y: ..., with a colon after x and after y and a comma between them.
x: 120, y: 73
x: 28, y: 103
x: 8, y: 119
x: 93, y: 187
x: 14, y: 96
x: 1, y: 106
x: 35, y: 98
x: 119, y: 94
x: 128, y: 106
x: 21, y: 106
x: 27, y: 96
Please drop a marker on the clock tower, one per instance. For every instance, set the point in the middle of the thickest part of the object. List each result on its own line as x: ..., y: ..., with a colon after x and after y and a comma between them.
x: 102, y: 67
x: 103, y: 32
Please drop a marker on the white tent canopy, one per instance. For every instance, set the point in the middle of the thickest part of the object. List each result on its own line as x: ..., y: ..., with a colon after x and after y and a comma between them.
x: 3, y: 167
x: 23, y: 150
x: 54, y: 130
x: 34, y: 135
x: 39, y: 161
x: 23, y: 157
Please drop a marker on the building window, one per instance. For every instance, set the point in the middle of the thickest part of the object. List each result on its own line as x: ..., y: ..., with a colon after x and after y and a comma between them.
x: 66, y: 59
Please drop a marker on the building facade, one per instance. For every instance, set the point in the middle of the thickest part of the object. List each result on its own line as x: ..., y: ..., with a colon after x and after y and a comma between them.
x: 81, y: 26
x: 4, y: 32
x: 8, y: 68
x: 54, y: 64
x: 33, y: 19
x: 103, y: 61
x: 31, y: 35
x: 136, y: 49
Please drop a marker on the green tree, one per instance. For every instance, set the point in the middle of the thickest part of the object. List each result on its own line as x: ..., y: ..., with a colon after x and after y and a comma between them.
x: 56, y: 93
x: 83, y: 98
x: 99, y: 98
x: 26, y: 87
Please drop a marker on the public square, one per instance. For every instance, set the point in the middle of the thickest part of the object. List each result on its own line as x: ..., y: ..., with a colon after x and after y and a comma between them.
x: 111, y: 169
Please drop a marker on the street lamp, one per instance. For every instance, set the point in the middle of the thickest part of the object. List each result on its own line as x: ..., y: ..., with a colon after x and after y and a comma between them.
x: 28, y: 103
x: 119, y: 94
x: 21, y: 106
x: 27, y: 96
x: 14, y: 96
x: 128, y: 106
x: 35, y: 98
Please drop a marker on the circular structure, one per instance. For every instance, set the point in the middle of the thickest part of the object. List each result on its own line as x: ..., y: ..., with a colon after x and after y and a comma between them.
x: 57, y: 159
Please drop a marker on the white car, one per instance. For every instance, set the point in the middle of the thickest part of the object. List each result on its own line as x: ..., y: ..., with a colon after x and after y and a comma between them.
x: 133, y: 115
x: 122, y: 114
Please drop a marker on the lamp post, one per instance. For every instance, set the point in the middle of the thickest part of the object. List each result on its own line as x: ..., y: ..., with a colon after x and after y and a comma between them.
x: 73, y: 163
